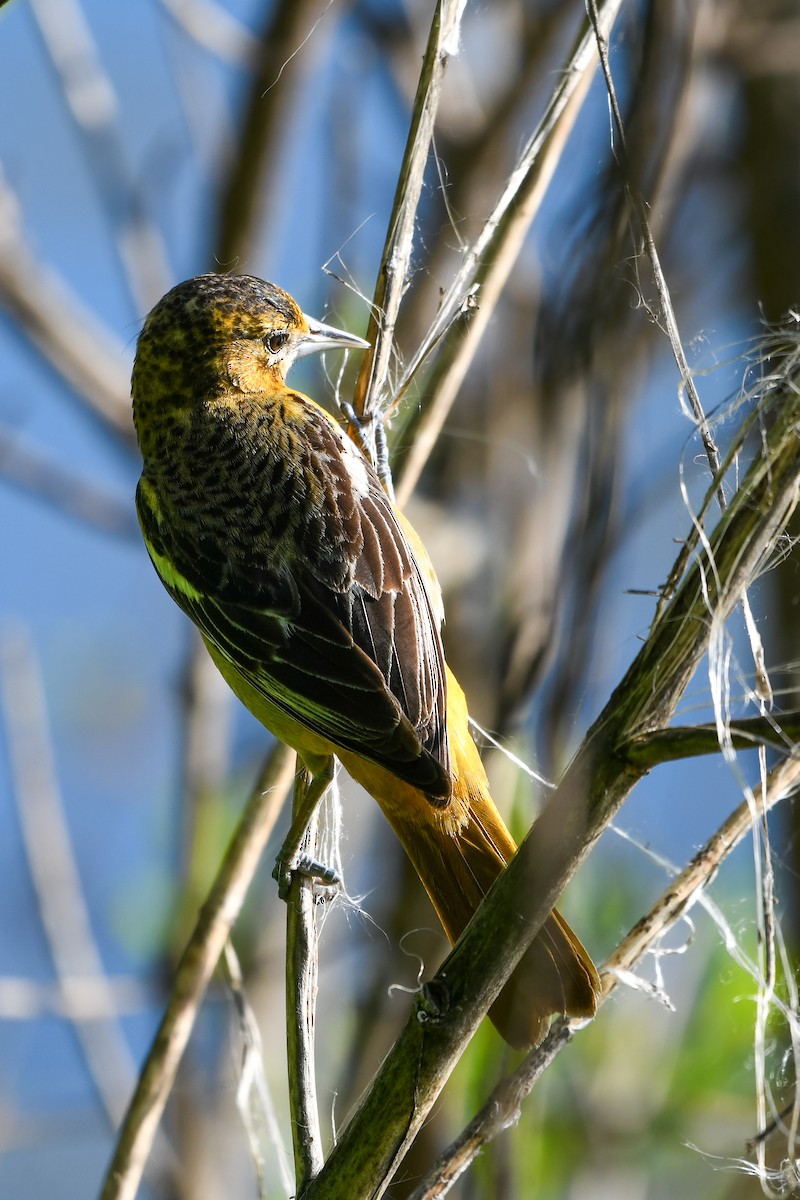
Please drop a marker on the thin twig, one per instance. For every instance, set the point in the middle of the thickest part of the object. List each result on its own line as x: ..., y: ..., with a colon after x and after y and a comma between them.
x: 781, y: 349
x: 62, y: 906
x: 214, y: 28
x: 46, y: 479
x: 502, y: 1108
x: 301, y: 999
x: 486, y: 264
x: 468, y: 153
x: 253, y: 1098
x: 193, y: 973
x: 393, y: 272
x: 90, y: 98
x: 679, y: 742
x: 62, y: 329
x: 695, y: 535
x: 268, y: 111
x: 686, y: 888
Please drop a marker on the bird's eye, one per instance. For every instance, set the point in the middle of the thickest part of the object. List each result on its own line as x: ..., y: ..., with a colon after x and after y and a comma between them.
x: 276, y: 341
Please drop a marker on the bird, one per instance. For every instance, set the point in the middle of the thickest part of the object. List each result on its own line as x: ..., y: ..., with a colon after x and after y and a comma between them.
x: 319, y: 605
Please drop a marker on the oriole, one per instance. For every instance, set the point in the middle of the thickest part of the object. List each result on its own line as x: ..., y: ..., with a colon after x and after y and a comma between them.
x: 317, y: 601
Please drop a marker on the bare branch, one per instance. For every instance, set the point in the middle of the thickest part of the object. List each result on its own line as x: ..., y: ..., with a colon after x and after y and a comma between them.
x: 92, y: 102
x: 647, y: 750
x: 193, y: 973
x: 448, y: 1009
x: 502, y: 1108
x: 61, y: 328
x: 301, y: 999
x: 486, y: 264
x: 62, y: 906
x: 373, y: 379
x: 214, y: 28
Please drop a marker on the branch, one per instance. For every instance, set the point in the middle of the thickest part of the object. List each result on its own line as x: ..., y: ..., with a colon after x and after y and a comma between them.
x: 267, y: 114
x: 486, y: 264
x: 502, y: 1108
x: 393, y: 272
x: 61, y: 328
x: 54, y: 873
x: 301, y: 998
x: 647, y: 750
x: 448, y: 1010
x: 192, y: 975
x: 90, y: 99
x: 40, y: 476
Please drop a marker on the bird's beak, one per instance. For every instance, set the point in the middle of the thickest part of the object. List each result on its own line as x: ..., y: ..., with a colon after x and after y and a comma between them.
x: 326, y: 337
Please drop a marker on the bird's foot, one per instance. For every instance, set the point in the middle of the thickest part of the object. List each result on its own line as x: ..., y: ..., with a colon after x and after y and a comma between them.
x: 374, y: 448
x: 302, y: 864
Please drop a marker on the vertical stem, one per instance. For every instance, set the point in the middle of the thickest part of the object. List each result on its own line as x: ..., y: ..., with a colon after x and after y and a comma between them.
x: 393, y: 272
x: 301, y: 997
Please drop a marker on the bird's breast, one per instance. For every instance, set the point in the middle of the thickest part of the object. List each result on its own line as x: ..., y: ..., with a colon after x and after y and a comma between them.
x: 269, y: 491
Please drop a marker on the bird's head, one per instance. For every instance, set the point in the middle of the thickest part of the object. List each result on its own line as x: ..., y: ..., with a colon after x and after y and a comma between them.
x: 217, y: 332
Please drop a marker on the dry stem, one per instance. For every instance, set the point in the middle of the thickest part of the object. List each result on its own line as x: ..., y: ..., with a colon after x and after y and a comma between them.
x: 54, y: 873
x: 193, y: 973
x: 502, y: 1108
x: 393, y: 272
x: 301, y: 997
x: 593, y: 789
x: 486, y: 264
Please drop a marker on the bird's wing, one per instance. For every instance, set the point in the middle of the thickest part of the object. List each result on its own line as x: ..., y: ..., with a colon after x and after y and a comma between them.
x: 346, y: 641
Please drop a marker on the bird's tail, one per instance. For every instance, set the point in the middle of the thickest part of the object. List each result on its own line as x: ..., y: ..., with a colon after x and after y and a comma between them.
x: 458, y: 852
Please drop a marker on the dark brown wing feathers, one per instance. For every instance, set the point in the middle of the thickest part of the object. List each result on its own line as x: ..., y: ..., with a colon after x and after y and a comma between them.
x: 327, y: 612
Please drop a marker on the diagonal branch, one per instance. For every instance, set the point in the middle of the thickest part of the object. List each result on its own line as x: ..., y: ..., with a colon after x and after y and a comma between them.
x: 487, y: 263
x: 192, y: 976
x: 502, y: 1107
x: 92, y: 102
x: 448, y: 1010
x: 65, y: 333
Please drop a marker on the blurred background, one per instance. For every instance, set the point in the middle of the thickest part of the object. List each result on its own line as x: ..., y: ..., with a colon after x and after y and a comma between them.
x: 142, y: 144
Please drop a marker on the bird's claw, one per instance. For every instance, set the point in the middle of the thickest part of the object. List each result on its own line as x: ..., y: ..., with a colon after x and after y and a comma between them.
x: 302, y: 864
x: 282, y: 873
